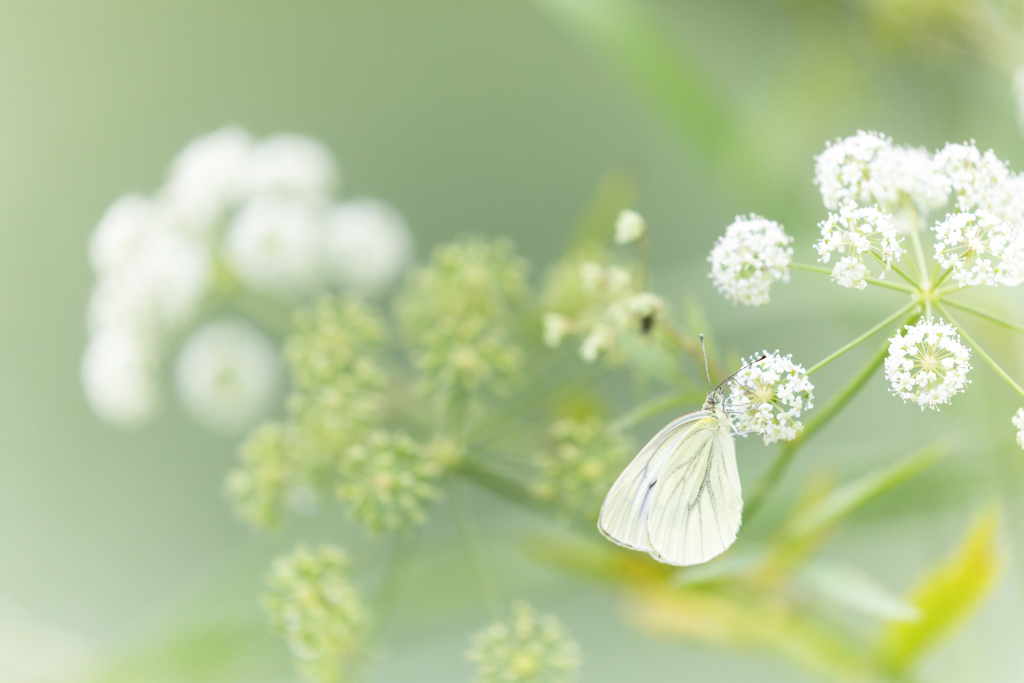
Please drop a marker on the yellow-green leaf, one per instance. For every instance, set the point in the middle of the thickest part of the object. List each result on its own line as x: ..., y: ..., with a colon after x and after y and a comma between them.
x: 945, y: 596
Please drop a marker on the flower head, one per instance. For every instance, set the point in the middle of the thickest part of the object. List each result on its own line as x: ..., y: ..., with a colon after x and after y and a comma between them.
x: 629, y: 227
x: 980, y: 248
x: 290, y: 164
x: 585, y: 458
x: 979, y: 180
x: 388, y: 479
x: 312, y: 603
x: 367, y: 245
x: 1018, y: 422
x: 529, y: 649
x: 927, y: 364
x: 856, y: 232
x: 752, y: 254
x: 227, y: 375
x: 768, y: 397
x: 119, y: 375
x: 457, y: 316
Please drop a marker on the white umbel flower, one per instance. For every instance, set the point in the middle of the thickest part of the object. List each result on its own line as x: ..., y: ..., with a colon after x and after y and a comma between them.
x: 292, y: 164
x: 629, y: 227
x: 275, y: 244
x: 1018, y: 422
x: 769, y: 396
x: 157, y: 286
x: 978, y: 180
x: 556, y: 327
x: 856, y: 232
x: 367, y: 245
x: 209, y: 176
x: 118, y: 374
x: 856, y: 169
x: 227, y: 375
x: 752, y: 254
x: 916, y: 178
x: 981, y: 249
x: 117, y: 236
x: 928, y: 364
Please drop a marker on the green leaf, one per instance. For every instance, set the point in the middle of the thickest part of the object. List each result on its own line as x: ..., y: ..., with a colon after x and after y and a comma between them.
x: 833, y: 508
x: 852, y: 588
x: 946, y: 595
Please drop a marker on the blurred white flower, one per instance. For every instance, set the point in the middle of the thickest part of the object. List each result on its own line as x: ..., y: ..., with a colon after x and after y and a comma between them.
x: 367, y: 245
x: 629, y: 227
x: 556, y: 327
x: 158, y: 285
x: 855, y: 232
x: 116, y: 238
x: 275, y: 244
x: 915, y: 176
x: 292, y: 164
x: 856, y: 169
x: 227, y: 375
x: 928, y: 364
x: 769, y: 396
x: 209, y: 177
x: 752, y: 254
x: 964, y: 240
x: 529, y: 648
x: 978, y: 180
x: 1018, y: 422
x: 118, y: 376
x: 600, y: 339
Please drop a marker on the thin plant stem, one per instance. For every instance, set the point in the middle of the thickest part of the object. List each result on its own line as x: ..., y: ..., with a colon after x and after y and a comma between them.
x: 1009, y: 324
x: 471, y: 542
x: 870, y: 280
x: 942, y: 278
x: 656, y: 406
x: 908, y: 278
x: 393, y: 577
x: 892, y: 318
x: 915, y: 239
x: 981, y: 352
x: 771, y: 478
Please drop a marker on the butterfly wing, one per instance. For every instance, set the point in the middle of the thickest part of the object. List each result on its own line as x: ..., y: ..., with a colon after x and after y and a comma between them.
x: 624, y: 514
x: 697, y: 504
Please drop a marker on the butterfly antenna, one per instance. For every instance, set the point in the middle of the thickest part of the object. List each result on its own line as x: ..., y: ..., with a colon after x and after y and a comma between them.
x: 705, y: 352
x: 753, y: 362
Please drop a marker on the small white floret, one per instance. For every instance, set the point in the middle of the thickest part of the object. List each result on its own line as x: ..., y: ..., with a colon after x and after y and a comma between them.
x: 118, y: 375
x: 753, y: 254
x: 927, y: 364
x: 367, y: 245
x: 629, y: 227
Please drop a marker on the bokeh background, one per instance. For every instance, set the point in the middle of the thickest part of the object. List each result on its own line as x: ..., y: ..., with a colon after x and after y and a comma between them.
x: 119, y: 557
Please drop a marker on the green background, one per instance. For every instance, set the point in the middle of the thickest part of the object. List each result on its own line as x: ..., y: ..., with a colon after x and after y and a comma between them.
x: 492, y: 118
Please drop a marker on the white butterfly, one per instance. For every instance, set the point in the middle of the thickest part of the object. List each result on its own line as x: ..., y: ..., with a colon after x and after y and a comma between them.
x: 680, y: 498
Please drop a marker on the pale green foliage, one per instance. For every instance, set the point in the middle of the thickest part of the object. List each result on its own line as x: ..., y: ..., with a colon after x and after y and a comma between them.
x: 585, y: 458
x: 456, y: 315
x: 388, y: 479
x: 321, y: 615
x: 528, y: 649
x: 944, y: 597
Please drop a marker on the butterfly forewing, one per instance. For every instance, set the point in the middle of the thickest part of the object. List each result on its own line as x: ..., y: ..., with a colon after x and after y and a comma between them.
x: 697, y: 504
x: 624, y: 515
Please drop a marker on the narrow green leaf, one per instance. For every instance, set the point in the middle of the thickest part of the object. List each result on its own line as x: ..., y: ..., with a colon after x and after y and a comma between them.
x: 847, y: 498
x: 854, y: 589
x: 946, y: 595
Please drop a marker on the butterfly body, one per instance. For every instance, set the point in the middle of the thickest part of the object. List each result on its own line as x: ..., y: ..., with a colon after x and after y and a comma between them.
x: 680, y: 498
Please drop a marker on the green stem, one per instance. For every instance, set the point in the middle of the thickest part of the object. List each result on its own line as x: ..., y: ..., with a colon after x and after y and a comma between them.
x: 981, y: 352
x: 919, y: 252
x: 942, y: 278
x: 471, y: 543
x: 898, y: 314
x: 870, y: 280
x: 1009, y: 324
x: 782, y: 461
x: 896, y: 269
x: 655, y: 406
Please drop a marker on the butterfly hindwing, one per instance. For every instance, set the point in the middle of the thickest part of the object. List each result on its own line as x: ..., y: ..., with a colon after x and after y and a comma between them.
x: 697, y: 503
x: 624, y: 515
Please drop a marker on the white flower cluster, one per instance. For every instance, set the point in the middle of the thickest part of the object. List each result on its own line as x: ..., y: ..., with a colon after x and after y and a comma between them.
x: 928, y: 364
x: 614, y: 305
x: 768, y: 397
x: 258, y: 213
x: 753, y: 253
x: 980, y: 248
x: 227, y: 375
x: 855, y: 232
x: 1018, y: 422
x: 868, y: 169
